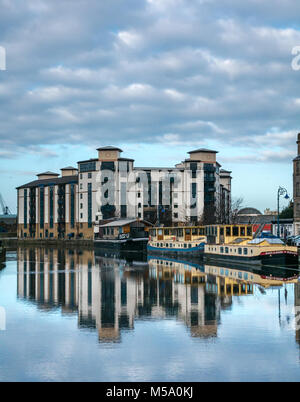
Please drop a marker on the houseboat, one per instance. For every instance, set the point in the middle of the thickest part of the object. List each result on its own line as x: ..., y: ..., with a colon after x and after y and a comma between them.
x: 237, y: 243
x: 175, y: 241
x: 122, y: 235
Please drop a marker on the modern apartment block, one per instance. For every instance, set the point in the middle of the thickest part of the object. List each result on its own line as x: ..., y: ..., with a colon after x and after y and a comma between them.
x: 110, y: 186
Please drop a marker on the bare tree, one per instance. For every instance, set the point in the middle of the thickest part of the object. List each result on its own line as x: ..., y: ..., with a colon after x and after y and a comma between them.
x: 236, y: 205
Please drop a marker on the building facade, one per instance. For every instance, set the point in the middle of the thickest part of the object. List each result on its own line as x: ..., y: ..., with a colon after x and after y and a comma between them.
x: 110, y: 186
x: 296, y: 189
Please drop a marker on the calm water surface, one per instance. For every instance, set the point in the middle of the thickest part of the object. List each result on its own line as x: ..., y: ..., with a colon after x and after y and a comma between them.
x: 80, y: 316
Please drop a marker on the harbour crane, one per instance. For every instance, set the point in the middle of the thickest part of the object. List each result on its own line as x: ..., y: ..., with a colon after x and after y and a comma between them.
x: 5, y: 208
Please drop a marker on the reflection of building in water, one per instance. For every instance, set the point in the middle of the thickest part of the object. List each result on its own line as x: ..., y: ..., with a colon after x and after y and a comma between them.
x: 297, y: 305
x: 48, y: 276
x: 109, y: 294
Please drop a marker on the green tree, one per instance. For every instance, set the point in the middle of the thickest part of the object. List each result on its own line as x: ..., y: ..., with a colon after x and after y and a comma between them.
x: 287, y: 212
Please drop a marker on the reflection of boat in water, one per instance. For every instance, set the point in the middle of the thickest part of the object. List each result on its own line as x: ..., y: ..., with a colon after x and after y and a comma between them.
x: 177, y: 241
x: 232, y: 274
x: 236, y: 243
x: 2, y: 254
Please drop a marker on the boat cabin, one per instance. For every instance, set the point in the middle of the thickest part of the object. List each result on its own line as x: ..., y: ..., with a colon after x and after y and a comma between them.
x: 224, y: 234
x: 186, y: 233
x: 123, y: 229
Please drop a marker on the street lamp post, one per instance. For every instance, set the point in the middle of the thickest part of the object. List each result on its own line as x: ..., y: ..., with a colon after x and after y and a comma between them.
x: 281, y: 191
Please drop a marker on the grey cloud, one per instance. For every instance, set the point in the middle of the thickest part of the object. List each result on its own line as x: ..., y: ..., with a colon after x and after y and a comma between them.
x: 149, y: 71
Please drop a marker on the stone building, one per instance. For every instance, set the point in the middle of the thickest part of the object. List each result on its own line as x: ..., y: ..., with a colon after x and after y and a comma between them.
x: 110, y: 186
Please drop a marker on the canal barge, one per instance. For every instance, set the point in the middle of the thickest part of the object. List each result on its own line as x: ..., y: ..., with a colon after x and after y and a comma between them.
x: 177, y: 241
x: 123, y: 235
x: 238, y: 244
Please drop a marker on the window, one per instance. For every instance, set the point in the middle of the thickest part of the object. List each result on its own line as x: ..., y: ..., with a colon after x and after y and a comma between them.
x: 175, y: 215
x: 80, y: 186
x: 221, y: 231
x: 139, y: 205
x: 249, y: 231
x: 81, y: 196
x: 88, y: 166
x: 81, y: 205
x: 81, y: 215
x: 226, y: 250
x: 242, y: 229
x: 139, y: 195
x: 89, y: 205
x: 175, y: 205
x: 89, y: 175
x: 235, y: 231
x: 240, y: 251
x: 222, y: 249
x: 245, y: 251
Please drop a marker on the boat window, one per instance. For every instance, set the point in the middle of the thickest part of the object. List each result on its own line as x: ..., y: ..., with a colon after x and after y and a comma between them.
x: 226, y: 250
x: 245, y: 275
x: 228, y: 231
x: 160, y: 232
x: 194, y: 231
x: 240, y: 250
x: 245, y: 251
x: 167, y: 244
x: 235, y: 231
x: 240, y: 275
x: 187, y: 231
x: 180, y: 232
x: 222, y: 249
x: 249, y: 231
x: 221, y: 231
x: 184, y: 245
x: 167, y: 232
x: 161, y: 245
x: 190, y: 245
x: 226, y: 272
x: 222, y: 271
x: 242, y: 231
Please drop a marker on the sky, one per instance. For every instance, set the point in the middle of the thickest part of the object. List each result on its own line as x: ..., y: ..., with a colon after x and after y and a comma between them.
x: 156, y: 78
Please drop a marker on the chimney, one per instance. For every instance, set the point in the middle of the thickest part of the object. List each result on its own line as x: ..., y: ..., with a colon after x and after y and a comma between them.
x: 298, y: 142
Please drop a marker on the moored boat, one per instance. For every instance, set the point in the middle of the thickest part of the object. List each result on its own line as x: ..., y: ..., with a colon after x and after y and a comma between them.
x: 237, y: 243
x: 187, y: 240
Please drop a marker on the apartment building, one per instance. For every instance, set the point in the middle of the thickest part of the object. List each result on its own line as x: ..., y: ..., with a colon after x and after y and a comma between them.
x: 110, y: 186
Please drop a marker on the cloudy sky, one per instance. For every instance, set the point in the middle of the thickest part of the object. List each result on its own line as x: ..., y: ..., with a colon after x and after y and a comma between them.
x: 157, y: 78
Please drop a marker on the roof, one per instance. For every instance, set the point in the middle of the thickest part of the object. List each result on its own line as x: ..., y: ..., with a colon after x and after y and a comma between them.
x: 123, y: 222
x: 126, y: 159
x: 270, y: 241
x: 49, y: 182
x: 109, y: 148
x: 249, y: 211
x: 48, y: 173
x: 223, y: 171
x: 89, y: 160
x: 69, y: 168
x: 203, y: 150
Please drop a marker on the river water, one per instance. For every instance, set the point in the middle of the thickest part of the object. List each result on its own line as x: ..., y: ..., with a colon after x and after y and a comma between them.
x: 69, y: 315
